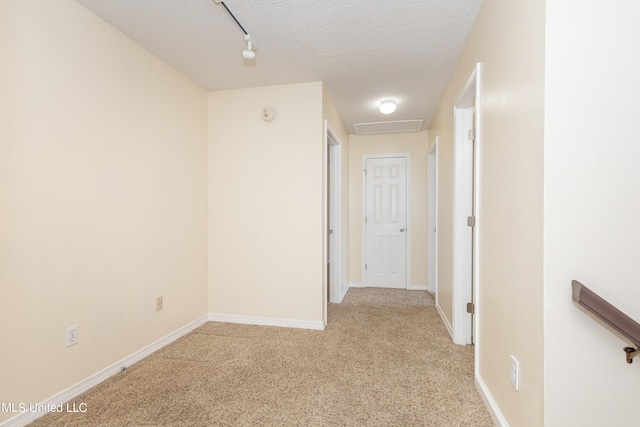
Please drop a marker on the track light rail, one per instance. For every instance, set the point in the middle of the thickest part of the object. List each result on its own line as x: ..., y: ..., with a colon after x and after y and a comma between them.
x: 231, y: 15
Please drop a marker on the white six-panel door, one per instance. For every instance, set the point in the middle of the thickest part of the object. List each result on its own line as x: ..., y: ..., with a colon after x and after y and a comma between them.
x: 385, y: 246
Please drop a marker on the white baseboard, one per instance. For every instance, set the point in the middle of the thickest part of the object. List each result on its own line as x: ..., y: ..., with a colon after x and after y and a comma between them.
x: 490, y: 403
x: 64, y: 396
x: 445, y: 321
x: 409, y: 287
x: 344, y: 291
x: 267, y: 321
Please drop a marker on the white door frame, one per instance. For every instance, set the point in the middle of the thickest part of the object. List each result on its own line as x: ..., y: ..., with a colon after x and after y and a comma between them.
x: 409, y: 227
x: 432, y: 219
x: 333, y: 217
x: 465, y: 203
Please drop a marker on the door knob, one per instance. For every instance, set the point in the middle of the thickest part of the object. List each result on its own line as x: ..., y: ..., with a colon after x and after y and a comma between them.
x: 402, y: 230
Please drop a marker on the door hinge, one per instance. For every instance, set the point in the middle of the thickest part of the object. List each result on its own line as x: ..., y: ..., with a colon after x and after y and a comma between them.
x: 471, y: 221
x: 365, y: 219
x: 472, y: 134
x: 471, y: 308
x: 365, y: 266
x: 365, y: 172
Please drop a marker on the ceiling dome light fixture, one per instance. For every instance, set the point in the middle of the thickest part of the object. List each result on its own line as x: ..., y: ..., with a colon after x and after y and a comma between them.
x: 387, y: 106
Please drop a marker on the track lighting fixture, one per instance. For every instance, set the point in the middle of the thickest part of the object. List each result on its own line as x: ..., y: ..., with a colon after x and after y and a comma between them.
x: 250, y: 51
x: 387, y: 106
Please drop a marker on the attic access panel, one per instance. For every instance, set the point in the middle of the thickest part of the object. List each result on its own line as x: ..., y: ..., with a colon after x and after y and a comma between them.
x: 398, y: 126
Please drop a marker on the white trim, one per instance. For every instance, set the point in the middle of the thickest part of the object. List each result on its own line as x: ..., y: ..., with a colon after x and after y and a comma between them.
x: 432, y: 218
x: 334, y: 220
x: 490, y: 403
x: 465, y: 172
x: 476, y: 239
x: 267, y: 321
x: 445, y: 321
x: 409, y: 226
x: 412, y: 287
x: 343, y: 293
x: 64, y: 396
x: 325, y: 222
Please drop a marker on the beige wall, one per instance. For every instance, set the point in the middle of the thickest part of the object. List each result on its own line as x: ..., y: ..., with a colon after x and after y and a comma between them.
x: 266, y: 205
x: 591, y: 208
x: 508, y: 41
x: 416, y: 144
x: 102, y: 194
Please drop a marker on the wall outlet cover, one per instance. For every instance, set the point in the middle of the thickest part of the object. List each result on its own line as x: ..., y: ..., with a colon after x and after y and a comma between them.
x: 72, y: 336
x: 515, y: 373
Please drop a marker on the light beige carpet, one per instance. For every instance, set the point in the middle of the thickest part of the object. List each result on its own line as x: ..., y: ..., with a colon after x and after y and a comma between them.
x: 385, y: 359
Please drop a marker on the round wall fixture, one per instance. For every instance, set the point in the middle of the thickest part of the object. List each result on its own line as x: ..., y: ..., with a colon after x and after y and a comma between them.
x: 267, y: 114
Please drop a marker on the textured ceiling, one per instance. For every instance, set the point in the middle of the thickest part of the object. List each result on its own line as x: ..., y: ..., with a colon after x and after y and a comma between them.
x: 364, y: 50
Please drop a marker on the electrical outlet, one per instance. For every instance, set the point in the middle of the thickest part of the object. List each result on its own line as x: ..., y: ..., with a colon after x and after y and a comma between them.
x: 72, y: 335
x: 159, y: 304
x: 515, y: 373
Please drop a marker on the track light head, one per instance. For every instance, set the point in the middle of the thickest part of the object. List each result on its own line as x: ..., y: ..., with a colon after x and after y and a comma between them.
x: 249, y: 52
